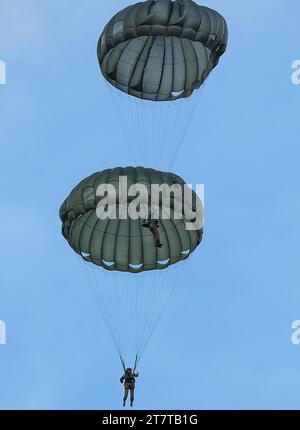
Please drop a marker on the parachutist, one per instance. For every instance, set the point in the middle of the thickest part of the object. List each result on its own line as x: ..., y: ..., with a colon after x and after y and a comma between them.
x: 153, y: 226
x: 129, y: 385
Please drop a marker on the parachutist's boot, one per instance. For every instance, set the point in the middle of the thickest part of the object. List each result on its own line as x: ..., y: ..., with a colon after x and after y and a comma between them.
x: 124, y: 403
x: 131, y: 403
x: 158, y: 244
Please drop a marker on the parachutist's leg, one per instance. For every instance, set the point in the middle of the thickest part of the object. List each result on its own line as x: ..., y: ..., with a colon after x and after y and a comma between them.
x: 156, y: 236
x: 125, y: 396
x: 131, y: 396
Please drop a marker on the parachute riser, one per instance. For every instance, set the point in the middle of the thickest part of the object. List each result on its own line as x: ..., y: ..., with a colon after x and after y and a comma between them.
x: 136, y: 362
x: 123, y: 363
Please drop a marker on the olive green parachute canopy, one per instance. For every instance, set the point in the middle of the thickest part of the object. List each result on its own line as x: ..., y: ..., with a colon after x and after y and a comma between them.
x: 123, y: 244
x: 161, y: 50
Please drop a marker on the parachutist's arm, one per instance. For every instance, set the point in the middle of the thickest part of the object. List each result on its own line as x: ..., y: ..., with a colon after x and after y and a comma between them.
x: 136, y: 374
x: 122, y: 379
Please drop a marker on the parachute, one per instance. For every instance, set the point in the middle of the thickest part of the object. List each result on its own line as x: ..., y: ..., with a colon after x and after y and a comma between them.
x: 130, y: 278
x: 161, y: 50
x: 154, y: 55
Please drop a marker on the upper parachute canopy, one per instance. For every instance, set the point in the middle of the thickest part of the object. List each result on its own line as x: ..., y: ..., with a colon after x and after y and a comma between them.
x: 123, y: 244
x: 161, y: 50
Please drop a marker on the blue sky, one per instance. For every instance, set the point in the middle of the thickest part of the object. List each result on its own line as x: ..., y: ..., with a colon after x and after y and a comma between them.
x: 225, y: 339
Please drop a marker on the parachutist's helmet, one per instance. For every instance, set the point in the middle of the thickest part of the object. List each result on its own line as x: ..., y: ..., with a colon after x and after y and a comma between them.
x: 128, y: 370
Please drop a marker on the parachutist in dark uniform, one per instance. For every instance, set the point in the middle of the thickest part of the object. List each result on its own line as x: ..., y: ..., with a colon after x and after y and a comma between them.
x: 153, y: 226
x: 129, y: 384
